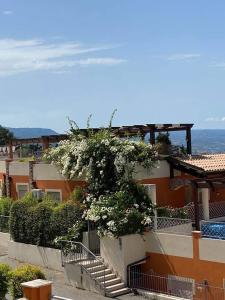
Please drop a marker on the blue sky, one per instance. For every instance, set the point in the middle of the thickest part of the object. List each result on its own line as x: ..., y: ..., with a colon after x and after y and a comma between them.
x: 155, y: 61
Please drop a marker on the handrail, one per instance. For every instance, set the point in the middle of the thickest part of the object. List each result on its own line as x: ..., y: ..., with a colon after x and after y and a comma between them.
x: 82, y: 253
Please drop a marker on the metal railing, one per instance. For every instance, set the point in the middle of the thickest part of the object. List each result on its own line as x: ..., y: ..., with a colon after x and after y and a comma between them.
x: 163, y: 285
x: 172, y: 225
x: 175, y: 286
x: 213, y: 230
x: 216, y: 210
x: 76, y: 252
x: 4, y: 223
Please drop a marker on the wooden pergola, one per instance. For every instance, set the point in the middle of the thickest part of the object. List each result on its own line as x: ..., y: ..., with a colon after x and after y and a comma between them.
x: 123, y: 131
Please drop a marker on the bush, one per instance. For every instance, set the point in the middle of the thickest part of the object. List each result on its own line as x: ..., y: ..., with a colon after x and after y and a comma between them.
x: 42, y: 223
x: 78, y: 195
x: 17, y: 221
x: 29, y: 199
x: 4, y: 280
x: 23, y: 274
x: 5, y: 206
x: 170, y: 212
x: 64, y: 217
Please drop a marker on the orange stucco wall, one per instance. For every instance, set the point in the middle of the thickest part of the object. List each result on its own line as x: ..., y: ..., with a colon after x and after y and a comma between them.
x: 165, y: 196
x: 194, y: 268
x: 14, y: 180
x: 65, y: 186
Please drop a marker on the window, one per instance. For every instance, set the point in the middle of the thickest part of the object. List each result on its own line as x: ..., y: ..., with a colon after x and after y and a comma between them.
x: 56, y: 195
x: 22, y: 189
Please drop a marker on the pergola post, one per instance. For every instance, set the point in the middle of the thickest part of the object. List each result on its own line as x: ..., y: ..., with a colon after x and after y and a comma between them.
x: 205, y: 202
x: 196, y: 206
x: 10, y: 153
x: 45, y: 142
x: 152, y: 135
x: 188, y: 140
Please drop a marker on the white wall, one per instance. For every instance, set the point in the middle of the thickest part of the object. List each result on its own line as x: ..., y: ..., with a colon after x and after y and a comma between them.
x: 119, y: 253
x: 182, y: 229
x: 44, y: 171
x: 19, y: 168
x: 169, y: 244
x: 212, y: 250
x: 161, y: 170
x: 40, y: 256
x: 2, y: 166
x: 4, y: 239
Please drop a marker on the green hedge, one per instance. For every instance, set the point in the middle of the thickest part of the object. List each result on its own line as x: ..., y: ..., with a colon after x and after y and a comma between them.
x: 40, y: 223
x: 4, y: 280
x: 22, y: 274
x: 5, y: 206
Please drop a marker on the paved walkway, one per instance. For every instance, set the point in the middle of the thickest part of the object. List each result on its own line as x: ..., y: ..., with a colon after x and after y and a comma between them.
x: 60, y: 288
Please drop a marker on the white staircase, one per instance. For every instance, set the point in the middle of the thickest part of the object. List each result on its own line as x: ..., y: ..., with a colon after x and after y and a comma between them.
x: 107, y: 279
x: 110, y: 284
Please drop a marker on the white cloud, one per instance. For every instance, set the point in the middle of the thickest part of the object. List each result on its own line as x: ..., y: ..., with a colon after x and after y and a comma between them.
x: 215, y: 119
x: 7, y: 12
x: 184, y: 56
x: 219, y: 65
x: 19, y: 56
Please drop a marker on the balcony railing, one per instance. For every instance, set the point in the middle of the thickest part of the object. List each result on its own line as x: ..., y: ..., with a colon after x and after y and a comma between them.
x: 171, y: 225
x: 151, y: 284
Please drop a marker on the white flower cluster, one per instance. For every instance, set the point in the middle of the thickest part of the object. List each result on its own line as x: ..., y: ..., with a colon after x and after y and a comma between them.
x: 106, y: 162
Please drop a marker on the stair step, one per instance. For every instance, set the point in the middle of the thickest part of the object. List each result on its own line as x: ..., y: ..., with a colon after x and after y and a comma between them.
x: 96, y: 268
x: 115, y: 287
x: 112, y: 281
x: 90, y: 263
x: 101, y: 273
x: 122, y: 291
x: 106, y: 277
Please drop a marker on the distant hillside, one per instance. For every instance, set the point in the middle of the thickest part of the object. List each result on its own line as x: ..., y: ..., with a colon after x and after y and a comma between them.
x: 31, y: 132
x: 203, y: 140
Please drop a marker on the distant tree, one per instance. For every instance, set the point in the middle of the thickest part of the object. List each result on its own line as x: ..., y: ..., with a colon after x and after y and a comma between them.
x: 5, y: 136
x: 163, y: 138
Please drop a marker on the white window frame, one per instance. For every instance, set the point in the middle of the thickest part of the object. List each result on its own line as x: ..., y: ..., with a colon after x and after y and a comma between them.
x: 21, y: 183
x: 55, y: 191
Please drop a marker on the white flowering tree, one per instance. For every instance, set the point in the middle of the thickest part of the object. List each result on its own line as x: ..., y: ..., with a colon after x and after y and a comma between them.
x: 113, y: 199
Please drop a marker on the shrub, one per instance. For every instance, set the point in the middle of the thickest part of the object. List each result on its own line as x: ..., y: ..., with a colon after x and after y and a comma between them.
x: 65, y: 215
x: 29, y: 199
x: 42, y: 223
x: 23, y: 274
x: 77, y: 195
x: 18, y: 221
x: 170, y: 212
x: 4, y: 280
x: 42, y: 233
x: 124, y: 212
x: 5, y: 205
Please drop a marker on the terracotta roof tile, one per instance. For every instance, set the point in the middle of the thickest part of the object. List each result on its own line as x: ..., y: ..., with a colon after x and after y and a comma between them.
x: 206, y: 162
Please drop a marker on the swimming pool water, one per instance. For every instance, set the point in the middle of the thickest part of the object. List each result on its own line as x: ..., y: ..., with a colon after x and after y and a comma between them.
x: 213, y: 230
